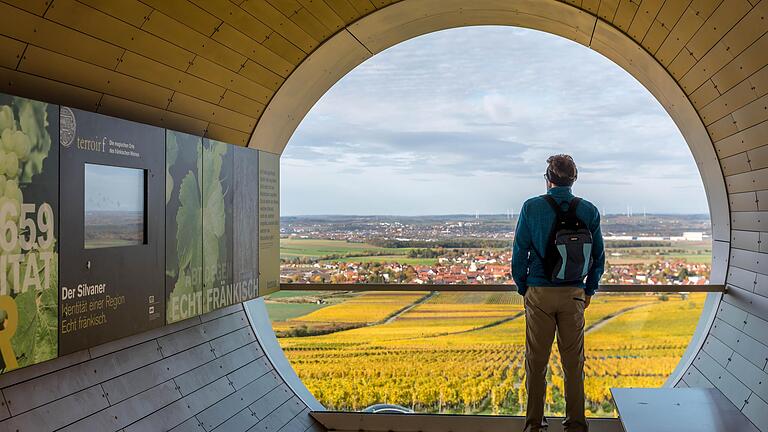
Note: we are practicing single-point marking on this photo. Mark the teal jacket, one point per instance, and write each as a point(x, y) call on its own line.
point(532, 233)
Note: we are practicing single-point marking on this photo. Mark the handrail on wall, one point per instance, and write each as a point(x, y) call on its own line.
point(362, 287)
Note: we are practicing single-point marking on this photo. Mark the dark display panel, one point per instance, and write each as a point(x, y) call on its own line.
point(218, 195)
point(269, 223)
point(246, 241)
point(109, 292)
point(183, 226)
point(156, 226)
point(29, 177)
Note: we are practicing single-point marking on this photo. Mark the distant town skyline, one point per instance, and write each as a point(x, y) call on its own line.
point(462, 121)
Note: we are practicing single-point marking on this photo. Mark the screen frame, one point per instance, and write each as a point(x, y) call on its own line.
point(145, 205)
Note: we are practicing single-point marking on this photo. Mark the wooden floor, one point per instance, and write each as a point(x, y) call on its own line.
point(200, 375)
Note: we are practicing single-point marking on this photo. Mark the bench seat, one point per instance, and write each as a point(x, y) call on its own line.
point(678, 410)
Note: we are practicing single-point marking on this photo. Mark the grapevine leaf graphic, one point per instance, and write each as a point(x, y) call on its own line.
point(7, 119)
point(33, 119)
point(172, 151)
point(182, 287)
point(36, 338)
point(189, 222)
point(200, 220)
point(213, 211)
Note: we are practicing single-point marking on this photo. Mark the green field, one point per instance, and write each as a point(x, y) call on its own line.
point(286, 311)
point(318, 248)
point(291, 293)
point(700, 252)
point(400, 259)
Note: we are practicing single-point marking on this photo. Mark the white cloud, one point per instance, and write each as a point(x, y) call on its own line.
point(462, 120)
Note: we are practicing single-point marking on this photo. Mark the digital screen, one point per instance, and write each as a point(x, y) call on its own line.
point(114, 206)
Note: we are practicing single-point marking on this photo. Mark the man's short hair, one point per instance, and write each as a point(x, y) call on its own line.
point(561, 170)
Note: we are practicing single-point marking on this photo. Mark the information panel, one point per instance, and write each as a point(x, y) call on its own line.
point(109, 228)
point(29, 176)
point(183, 226)
point(112, 237)
point(246, 242)
point(269, 223)
point(218, 194)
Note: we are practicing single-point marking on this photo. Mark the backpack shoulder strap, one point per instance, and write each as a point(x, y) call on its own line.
point(552, 203)
point(573, 205)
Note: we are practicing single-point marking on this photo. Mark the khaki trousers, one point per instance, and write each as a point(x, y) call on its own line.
point(550, 310)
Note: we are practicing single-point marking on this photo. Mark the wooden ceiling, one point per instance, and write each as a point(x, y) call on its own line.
point(209, 67)
point(206, 67)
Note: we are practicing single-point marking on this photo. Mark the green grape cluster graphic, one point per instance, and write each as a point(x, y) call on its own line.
point(27, 239)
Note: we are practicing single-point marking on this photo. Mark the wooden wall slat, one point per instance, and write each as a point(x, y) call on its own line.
point(15, 82)
point(625, 13)
point(236, 17)
point(10, 52)
point(200, 109)
point(690, 22)
point(607, 9)
point(120, 415)
point(36, 7)
point(590, 5)
point(363, 7)
point(745, 64)
point(756, 410)
point(237, 102)
point(284, 48)
point(261, 75)
point(644, 17)
point(665, 21)
point(682, 63)
point(722, 128)
point(705, 94)
point(742, 35)
point(736, 164)
point(343, 9)
point(187, 13)
point(150, 70)
point(38, 31)
point(286, 7)
point(167, 28)
point(323, 13)
point(735, 98)
point(255, 51)
point(310, 24)
point(751, 114)
point(44, 63)
point(228, 135)
point(758, 158)
point(754, 137)
point(746, 201)
point(225, 78)
point(727, 14)
point(90, 21)
point(278, 22)
point(135, 111)
point(131, 11)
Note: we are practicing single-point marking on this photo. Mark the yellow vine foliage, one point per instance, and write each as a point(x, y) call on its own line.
point(454, 355)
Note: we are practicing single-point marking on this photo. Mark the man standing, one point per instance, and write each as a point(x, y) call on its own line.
point(558, 244)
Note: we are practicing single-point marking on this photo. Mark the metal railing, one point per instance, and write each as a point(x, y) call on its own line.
point(490, 287)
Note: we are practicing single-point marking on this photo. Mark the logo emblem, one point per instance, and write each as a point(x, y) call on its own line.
point(68, 127)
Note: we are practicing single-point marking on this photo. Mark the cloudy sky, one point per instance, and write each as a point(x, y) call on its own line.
point(462, 121)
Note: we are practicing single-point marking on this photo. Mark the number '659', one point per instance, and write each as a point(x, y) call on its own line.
point(25, 234)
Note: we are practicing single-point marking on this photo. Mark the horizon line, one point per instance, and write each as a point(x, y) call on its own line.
point(479, 214)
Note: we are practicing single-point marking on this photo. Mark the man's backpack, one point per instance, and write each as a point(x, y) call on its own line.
point(568, 256)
